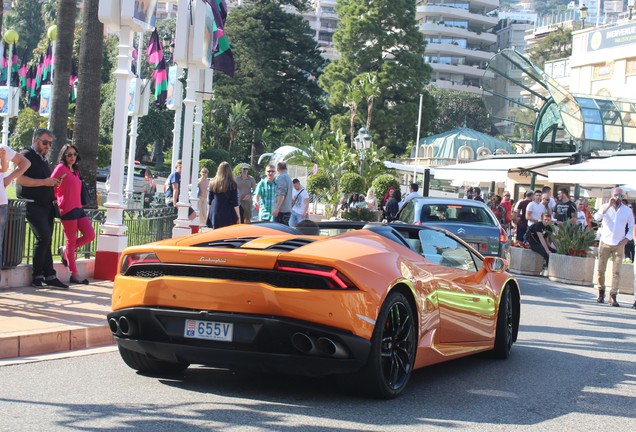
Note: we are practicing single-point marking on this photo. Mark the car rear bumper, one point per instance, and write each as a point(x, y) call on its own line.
point(266, 343)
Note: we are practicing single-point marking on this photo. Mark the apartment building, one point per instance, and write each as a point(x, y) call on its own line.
point(459, 40)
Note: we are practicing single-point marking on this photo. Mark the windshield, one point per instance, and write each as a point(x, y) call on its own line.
point(456, 213)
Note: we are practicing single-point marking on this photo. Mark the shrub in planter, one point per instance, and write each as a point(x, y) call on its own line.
point(571, 240)
point(362, 214)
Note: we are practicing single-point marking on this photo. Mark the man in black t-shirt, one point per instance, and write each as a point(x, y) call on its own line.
point(37, 185)
point(538, 237)
point(564, 209)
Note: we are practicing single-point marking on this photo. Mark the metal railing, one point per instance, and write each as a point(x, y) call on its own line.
point(144, 226)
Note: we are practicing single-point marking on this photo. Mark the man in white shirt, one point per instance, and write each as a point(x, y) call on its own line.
point(535, 209)
point(616, 230)
point(300, 203)
point(413, 188)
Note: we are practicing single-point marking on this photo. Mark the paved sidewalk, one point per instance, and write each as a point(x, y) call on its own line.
point(44, 321)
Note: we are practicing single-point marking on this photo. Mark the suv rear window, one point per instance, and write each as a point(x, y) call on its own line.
point(455, 213)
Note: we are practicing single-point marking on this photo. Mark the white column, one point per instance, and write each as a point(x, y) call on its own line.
point(196, 150)
point(176, 130)
point(182, 223)
point(132, 148)
point(114, 203)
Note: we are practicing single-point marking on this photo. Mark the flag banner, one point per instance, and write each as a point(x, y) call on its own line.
point(47, 65)
point(154, 51)
point(161, 84)
point(223, 59)
point(22, 73)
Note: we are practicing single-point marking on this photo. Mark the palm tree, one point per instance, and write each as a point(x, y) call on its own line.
point(370, 89)
point(235, 119)
point(86, 135)
point(66, 11)
point(352, 100)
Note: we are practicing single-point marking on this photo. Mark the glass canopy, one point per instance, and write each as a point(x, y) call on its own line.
point(548, 115)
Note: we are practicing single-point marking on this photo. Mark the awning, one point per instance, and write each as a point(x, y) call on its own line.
point(409, 168)
point(498, 169)
point(607, 171)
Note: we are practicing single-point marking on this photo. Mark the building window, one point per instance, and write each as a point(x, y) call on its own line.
point(483, 151)
point(602, 71)
point(630, 66)
point(465, 153)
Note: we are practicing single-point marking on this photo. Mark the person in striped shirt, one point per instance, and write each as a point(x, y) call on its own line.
point(266, 195)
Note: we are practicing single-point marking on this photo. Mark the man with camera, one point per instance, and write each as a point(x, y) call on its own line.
point(615, 217)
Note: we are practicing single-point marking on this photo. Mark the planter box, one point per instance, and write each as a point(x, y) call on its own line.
point(571, 270)
point(626, 282)
point(525, 262)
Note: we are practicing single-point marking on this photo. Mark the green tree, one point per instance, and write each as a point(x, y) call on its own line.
point(66, 11)
point(26, 19)
point(380, 37)
point(237, 117)
point(555, 45)
point(86, 128)
point(22, 135)
point(278, 63)
point(454, 109)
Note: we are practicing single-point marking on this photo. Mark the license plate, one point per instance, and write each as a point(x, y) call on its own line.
point(210, 330)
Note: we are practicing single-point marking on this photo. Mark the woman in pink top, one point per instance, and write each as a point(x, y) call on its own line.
point(69, 199)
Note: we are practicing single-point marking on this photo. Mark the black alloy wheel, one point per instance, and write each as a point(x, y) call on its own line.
point(393, 348)
point(505, 326)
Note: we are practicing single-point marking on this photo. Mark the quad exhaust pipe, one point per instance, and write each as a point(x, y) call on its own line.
point(321, 346)
point(122, 326)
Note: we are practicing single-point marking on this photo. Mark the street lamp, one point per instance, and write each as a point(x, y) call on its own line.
point(362, 142)
point(10, 38)
point(583, 12)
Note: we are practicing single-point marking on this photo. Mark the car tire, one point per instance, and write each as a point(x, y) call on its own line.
point(393, 348)
point(143, 364)
point(504, 336)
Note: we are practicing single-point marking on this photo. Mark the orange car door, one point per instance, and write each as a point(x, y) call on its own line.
point(466, 307)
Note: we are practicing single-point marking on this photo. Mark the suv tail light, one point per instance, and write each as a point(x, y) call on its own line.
point(335, 278)
point(502, 235)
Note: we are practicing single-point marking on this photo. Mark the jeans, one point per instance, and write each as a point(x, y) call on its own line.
point(4, 214)
point(40, 219)
point(294, 219)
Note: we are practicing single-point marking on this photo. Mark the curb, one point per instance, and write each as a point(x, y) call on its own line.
point(55, 341)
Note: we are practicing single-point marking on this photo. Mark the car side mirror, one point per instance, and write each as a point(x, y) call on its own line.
point(495, 264)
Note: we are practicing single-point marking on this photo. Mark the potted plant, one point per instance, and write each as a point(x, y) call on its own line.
point(571, 263)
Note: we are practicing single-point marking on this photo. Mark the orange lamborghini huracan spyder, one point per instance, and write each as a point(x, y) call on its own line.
point(367, 302)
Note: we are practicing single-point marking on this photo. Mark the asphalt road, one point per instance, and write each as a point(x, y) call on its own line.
point(573, 369)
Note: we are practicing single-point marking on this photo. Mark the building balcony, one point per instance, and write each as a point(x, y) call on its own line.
point(445, 49)
point(448, 12)
point(466, 71)
point(472, 37)
point(456, 86)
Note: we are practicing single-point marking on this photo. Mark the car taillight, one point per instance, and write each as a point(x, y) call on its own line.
point(334, 278)
point(502, 235)
point(137, 258)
